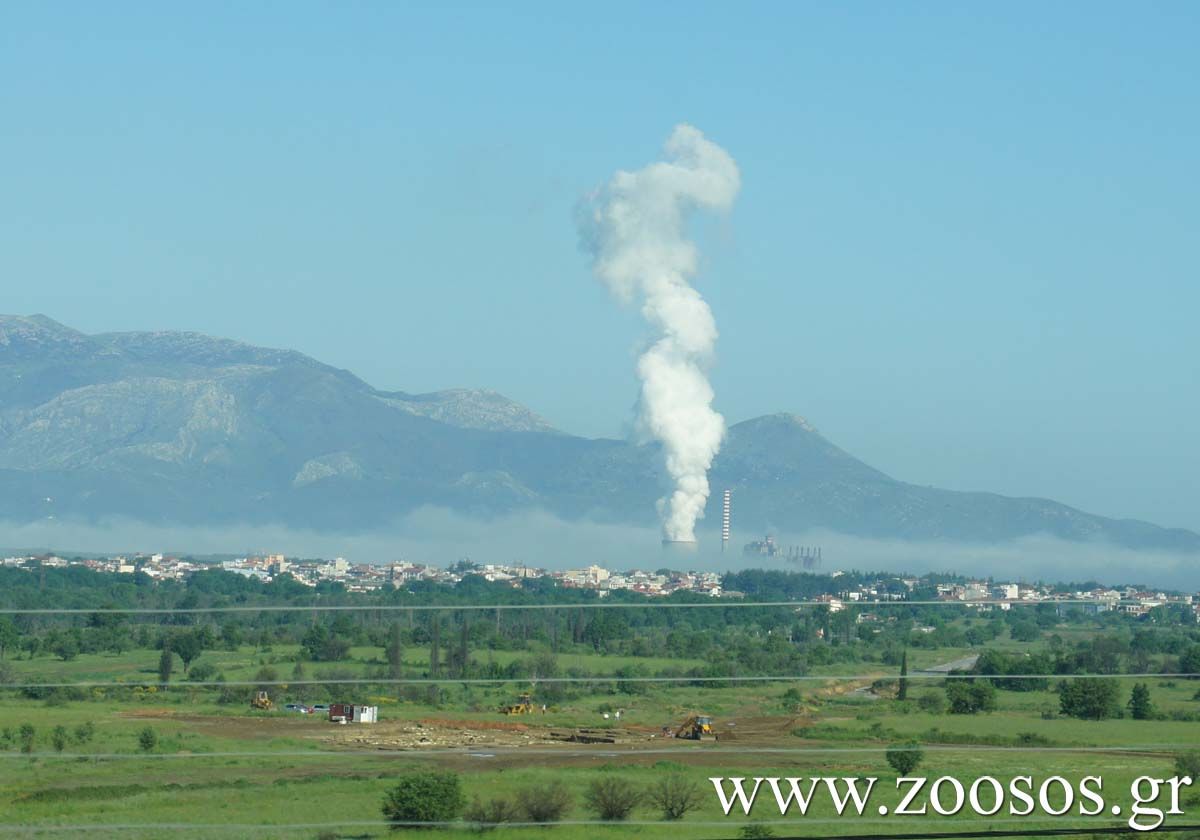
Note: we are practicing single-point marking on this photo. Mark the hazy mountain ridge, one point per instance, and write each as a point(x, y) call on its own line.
point(469, 408)
point(182, 428)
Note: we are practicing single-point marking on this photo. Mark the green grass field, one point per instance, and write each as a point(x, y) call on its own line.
point(222, 770)
point(291, 778)
point(242, 664)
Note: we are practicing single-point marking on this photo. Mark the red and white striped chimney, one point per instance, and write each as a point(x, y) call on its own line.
point(725, 520)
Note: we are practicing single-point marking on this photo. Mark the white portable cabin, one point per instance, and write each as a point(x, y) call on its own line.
point(353, 713)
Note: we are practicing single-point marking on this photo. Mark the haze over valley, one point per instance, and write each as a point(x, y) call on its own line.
point(168, 433)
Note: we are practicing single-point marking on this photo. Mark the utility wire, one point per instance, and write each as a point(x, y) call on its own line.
point(523, 824)
point(602, 751)
point(1035, 832)
point(599, 678)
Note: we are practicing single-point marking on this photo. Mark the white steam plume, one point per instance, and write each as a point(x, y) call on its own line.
point(636, 230)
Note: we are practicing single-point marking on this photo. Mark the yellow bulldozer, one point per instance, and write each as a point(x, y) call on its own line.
point(696, 728)
point(523, 706)
point(262, 702)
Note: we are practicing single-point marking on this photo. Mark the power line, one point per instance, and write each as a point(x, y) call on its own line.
point(1036, 832)
point(715, 603)
point(601, 751)
point(525, 824)
point(599, 678)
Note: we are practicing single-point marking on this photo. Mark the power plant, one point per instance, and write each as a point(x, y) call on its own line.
point(808, 557)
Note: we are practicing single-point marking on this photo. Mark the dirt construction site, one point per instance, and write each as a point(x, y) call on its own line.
point(435, 733)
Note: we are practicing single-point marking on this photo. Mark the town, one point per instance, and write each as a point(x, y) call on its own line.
point(371, 577)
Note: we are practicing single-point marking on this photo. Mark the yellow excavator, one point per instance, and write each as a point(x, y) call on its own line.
point(523, 706)
point(696, 728)
point(262, 702)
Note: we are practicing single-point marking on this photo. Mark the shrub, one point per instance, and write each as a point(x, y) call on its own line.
point(1141, 707)
point(968, 698)
point(1025, 631)
point(28, 734)
point(487, 815)
point(631, 676)
point(84, 732)
point(612, 798)
point(202, 672)
point(423, 797)
point(904, 758)
point(544, 803)
point(1032, 739)
point(147, 739)
point(265, 676)
point(66, 648)
point(1188, 764)
point(932, 703)
point(58, 738)
point(1089, 698)
point(1189, 663)
point(675, 795)
point(166, 664)
point(227, 695)
point(756, 831)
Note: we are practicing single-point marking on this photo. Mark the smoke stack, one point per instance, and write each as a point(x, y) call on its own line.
point(725, 520)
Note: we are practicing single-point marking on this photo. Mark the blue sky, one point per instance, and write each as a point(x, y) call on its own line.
point(964, 248)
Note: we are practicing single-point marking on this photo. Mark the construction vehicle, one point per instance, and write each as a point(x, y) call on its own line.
point(262, 702)
point(523, 706)
point(696, 728)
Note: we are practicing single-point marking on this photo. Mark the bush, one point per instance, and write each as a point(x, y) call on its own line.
point(1188, 764)
point(58, 738)
point(423, 797)
point(487, 815)
point(28, 734)
point(1089, 698)
point(932, 703)
point(904, 758)
point(202, 672)
point(791, 699)
point(756, 831)
point(147, 739)
point(968, 698)
point(1189, 663)
point(1025, 631)
point(265, 677)
point(544, 803)
point(84, 732)
point(1141, 707)
point(674, 795)
point(612, 798)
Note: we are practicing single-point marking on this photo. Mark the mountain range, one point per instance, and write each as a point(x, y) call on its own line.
point(183, 428)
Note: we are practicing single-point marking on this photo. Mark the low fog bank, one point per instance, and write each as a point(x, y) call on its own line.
point(440, 537)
